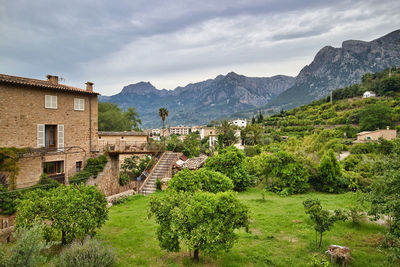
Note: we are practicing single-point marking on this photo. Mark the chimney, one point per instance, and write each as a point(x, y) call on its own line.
point(52, 79)
point(89, 86)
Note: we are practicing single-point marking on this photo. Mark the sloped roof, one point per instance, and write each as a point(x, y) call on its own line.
point(42, 84)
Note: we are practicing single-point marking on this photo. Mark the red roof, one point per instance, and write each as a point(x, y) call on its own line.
point(42, 84)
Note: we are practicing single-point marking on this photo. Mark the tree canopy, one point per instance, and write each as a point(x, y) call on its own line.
point(112, 118)
point(69, 211)
point(230, 161)
point(200, 180)
point(201, 221)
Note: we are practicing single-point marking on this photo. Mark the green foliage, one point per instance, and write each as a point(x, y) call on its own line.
point(227, 133)
point(112, 118)
point(158, 184)
point(323, 220)
point(89, 253)
point(286, 174)
point(9, 157)
point(134, 166)
point(27, 250)
point(200, 180)
point(385, 194)
point(202, 221)
point(93, 167)
point(319, 262)
point(163, 113)
point(230, 161)
point(124, 178)
point(46, 182)
point(174, 144)
point(70, 211)
point(375, 116)
point(330, 174)
point(191, 145)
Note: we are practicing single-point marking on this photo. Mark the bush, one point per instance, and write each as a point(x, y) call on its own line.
point(230, 161)
point(93, 167)
point(158, 184)
point(286, 174)
point(27, 249)
point(87, 254)
point(200, 180)
point(330, 174)
point(124, 178)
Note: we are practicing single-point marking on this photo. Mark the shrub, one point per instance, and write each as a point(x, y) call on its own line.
point(27, 249)
point(93, 167)
point(286, 174)
point(124, 178)
point(200, 180)
point(158, 184)
point(230, 161)
point(87, 254)
point(330, 174)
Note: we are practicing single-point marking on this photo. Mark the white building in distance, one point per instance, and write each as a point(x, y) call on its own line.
point(369, 94)
point(239, 123)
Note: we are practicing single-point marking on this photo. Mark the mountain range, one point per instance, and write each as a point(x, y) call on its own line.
point(235, 94)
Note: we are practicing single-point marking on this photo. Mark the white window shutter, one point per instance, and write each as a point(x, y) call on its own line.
point(60, 138)
point(40, 135)
point(54, 101)
point(47, 101)
point(82, 104)
point(76, 103)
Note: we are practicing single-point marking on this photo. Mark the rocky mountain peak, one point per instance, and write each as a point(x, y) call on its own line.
point(140, 88)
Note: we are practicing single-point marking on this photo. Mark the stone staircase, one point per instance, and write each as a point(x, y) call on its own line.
point(161, 170)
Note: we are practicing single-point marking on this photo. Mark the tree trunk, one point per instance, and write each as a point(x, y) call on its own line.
point(320, 240)
point(316, 238)
point(63, 239)
point(196, 255)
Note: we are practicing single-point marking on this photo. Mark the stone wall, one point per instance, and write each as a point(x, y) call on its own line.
point(108, 180)
point(6, 228)
point(23, 108)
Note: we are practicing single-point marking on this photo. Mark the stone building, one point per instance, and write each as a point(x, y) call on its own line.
point(123, 141)
point(207, 131)
point(366, 136)
point(55, 123)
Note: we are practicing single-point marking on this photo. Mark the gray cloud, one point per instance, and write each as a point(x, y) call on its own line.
point(170, 43)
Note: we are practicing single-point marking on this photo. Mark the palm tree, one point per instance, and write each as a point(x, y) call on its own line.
point(163, 113)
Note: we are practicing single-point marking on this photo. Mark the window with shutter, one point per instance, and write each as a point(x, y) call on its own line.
point(50, 101)
point(40, 135)
point(79, 104)
point(60, 138)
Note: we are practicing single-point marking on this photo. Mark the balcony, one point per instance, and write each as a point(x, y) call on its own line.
point(129, 147)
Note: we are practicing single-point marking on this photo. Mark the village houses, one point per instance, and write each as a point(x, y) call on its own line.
point(366, 136)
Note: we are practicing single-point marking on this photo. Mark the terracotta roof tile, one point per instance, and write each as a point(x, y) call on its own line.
point(42, 84)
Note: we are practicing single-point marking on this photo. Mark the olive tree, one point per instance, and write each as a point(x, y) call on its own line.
point(68, 212)
point(202, 221)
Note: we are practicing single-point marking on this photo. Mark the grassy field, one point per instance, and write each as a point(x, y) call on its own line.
point(281, 235)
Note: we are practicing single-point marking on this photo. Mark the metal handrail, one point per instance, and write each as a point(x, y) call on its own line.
point(151, 172)
point(128, 146)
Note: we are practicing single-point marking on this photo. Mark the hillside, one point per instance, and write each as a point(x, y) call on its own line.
point(339, 67)
point(198, 103)
point(345, 109)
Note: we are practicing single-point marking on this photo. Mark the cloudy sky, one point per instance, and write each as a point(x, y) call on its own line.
point(174, 42)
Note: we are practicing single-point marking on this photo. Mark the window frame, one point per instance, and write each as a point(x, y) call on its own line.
point(79, 104)
point(51, 102)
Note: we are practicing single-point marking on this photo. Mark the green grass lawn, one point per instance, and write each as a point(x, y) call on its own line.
point(281, 234)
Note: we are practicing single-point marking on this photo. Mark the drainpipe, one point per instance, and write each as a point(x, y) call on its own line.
point(90, 123)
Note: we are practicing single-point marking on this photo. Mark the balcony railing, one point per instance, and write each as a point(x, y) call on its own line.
point(129, 146)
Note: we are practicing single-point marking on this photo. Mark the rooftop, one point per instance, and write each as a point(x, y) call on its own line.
point(47, 84)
